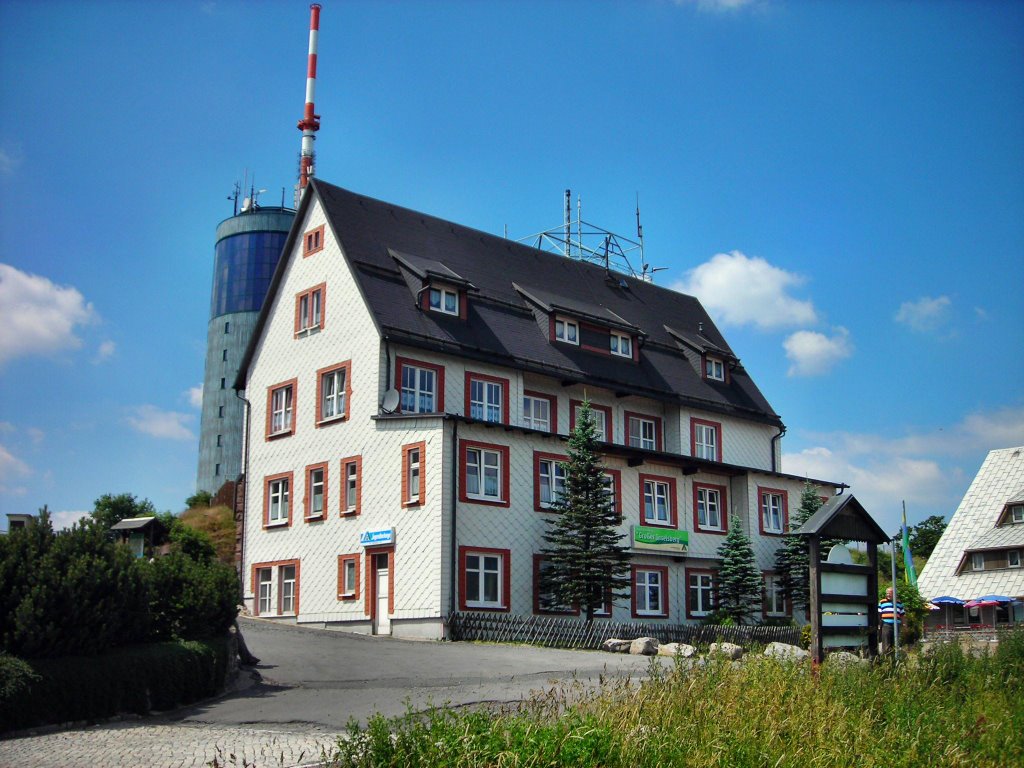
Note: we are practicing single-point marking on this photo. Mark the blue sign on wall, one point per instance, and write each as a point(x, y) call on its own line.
point(374, 538)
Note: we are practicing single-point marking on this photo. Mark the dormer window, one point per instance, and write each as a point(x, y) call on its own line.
point(1017, 514)
point(567, 330)
point(444, 300)
point(714, 368)
point(621, 345)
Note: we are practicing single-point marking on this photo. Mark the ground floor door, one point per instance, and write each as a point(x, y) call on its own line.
point(381, 597)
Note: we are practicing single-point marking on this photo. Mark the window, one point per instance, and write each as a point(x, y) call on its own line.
point(421, 385)
point(548, 479)
point(484, 473)
point(486, 398)
point(774, 597)
point(443, 300)
point(602, 419)
point(265, 579)
point(227, 326)
point(276, 588)
point(650, 590)
point(714, 368)
point(709, 510)
point(977, 561)
point(706, 439)
point(567, 330)
point(621, 345)
point(613, 482)
point(539, 411)
point(351, 488)
point(224, 355)
point(332, 392)
point(223, 383)
point(280, 409)
point(220, 411)
point(216, 469)
point(1017, 513)
point(774, 511)
point(309, 311)
point(1013, 558)
point(543, 600)
point(643, 431)
point(316, 491)
point(287, 597)
point(484, 577)
point(413, 492)
point(700, 593)
point(348, 577)
point(657, 500)
point(313, 241)
point(220, 440)
point(277, 500)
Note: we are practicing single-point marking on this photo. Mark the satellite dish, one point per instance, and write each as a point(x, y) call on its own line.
point(391, 399)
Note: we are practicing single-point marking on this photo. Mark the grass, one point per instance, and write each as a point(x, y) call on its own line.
point(946, 709)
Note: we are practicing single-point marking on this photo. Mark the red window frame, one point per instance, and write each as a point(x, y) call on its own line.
point(307, 498)
point(716, 425)
point(322, 288)
point(503, 450)
point(342, 509)
point(313, 241)
point(609, 426)
point(552, 408)
point(714, 590)
point(538, 457)
point(421, 497)
point(663, 570)
point(347, 367)
point(506, 578)
point(538, 609)
point(763, 491)
point(401, 362)
point(628, 415)
point(274, 565)
point(473, 375)
point(267, 480)
point(294, 384)
point(673, 506)
point(704, 368)
point(617, 494)
point(370, 593)
point(723, 503)
point(342, 559)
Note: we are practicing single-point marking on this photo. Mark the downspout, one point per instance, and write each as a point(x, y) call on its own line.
point(782, 431)
point(245, 495)
point(452, 603)
point(387, 364)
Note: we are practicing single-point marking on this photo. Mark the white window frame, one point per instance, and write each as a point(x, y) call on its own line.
point(1017, 514)
point(621, 344)
point(414, 474)
point(265, 591)
point(333, 394)
point(317, 488)
point(705, 506)
point(477, 459)
point(348, 577)
point(480, 574)
point(287, 584)
point(646, 583)
point(600, 422)
point(566, 330)
point(282, 410)
point(771, 511)
point(646, 436)
point(531, 420)
point(704, 588)
point(311, 307)
point(775, 597)
point(351, 486)
point(977, 561)
point(1013, 558)
point(714, 368)
point(609, 483)
point(550, 477)
point(481, 406)
point(414, 378)
point(705, 440)
point(278, 503)
point(656, 491)
point(442, 296)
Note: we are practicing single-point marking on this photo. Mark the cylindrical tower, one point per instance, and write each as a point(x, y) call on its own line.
point(247, 250)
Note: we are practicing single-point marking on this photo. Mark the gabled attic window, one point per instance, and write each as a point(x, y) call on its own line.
point(621, 344)
point(443, 299)
point(438, 288)
point(567, 330)
point(714, 368)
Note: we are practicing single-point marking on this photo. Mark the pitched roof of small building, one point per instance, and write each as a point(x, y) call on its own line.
point(381, 241)
point(973, 528)
point(132, 524)
point(844, 517)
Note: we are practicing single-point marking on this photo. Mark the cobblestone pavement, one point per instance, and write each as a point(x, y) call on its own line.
point(143, 744)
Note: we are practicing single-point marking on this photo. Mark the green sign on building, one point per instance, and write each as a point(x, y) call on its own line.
point(659, 539)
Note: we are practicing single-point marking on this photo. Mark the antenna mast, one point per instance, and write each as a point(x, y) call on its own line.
point(310, 122)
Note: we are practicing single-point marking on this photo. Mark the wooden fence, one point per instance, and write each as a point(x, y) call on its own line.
point(555, 632)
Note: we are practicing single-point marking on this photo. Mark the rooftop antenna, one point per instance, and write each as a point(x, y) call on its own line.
point(568, 220)
point(310, 122)
point(234, 196)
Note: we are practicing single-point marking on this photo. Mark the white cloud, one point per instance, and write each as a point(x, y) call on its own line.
point(981, 314)
point(813, 354)
point(195, 396)
point(719, 6)
point(39, 316)
point(66, 519)
point(36, 435)
point(740, 290)
point(925, 314)
point(12, 470)
point(6, 427)
point(169, 425)
point(105, 351)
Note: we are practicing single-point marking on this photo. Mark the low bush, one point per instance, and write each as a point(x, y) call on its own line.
point(191, 598)
point(133, 679)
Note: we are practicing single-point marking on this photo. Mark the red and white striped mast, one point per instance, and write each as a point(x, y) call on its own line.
point(310, 122)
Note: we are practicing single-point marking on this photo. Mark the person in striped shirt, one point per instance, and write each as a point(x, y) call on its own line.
point(890, 614)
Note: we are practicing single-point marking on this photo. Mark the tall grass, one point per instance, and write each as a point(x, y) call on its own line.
point(945, 709)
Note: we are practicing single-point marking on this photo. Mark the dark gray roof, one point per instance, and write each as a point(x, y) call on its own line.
point(843, 517)
point(132, 524)
point(501, 326)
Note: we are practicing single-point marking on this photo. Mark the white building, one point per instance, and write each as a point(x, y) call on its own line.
point(410, 382)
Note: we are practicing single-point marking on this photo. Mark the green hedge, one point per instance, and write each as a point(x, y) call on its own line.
point(132, 679)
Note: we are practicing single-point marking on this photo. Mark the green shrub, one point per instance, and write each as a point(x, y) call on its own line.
point(190, 598)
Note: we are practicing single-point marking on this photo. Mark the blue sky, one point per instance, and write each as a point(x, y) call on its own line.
point(842, 184)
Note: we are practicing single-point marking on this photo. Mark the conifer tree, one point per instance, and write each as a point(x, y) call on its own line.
point(739, 580)
point(792, 560)
point(586, 562)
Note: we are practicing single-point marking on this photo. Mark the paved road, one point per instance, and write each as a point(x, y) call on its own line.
point(313, 682)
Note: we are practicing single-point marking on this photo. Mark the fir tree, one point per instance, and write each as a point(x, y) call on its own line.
point(586, 563)
point(739, 580)
point(791, 561)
